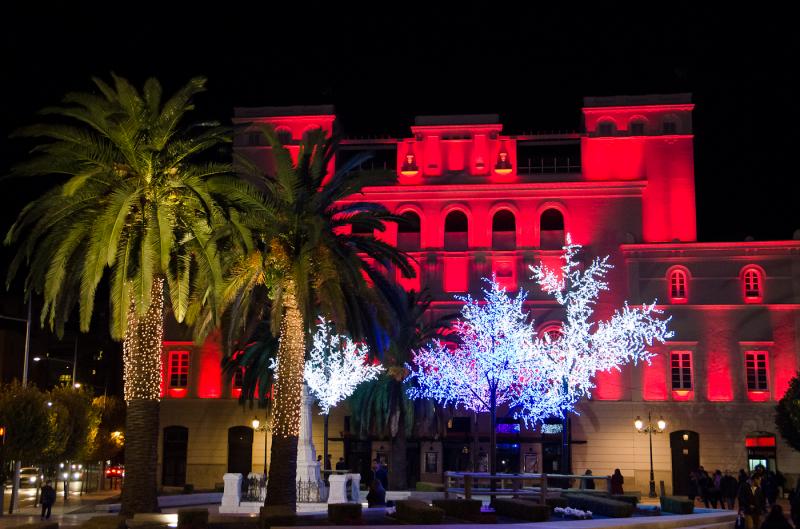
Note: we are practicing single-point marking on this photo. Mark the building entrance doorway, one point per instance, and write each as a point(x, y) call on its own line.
point(761, 451)
point(176, 441)
point(508, 458)
point(240, 451)
point(685, 448)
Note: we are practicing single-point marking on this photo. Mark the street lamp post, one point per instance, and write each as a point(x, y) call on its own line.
point(258, 427)
point(650, 429)
point(53, 359)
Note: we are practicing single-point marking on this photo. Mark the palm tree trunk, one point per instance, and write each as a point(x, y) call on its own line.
point(142, 360)
point(281, 487)
point(397, 472)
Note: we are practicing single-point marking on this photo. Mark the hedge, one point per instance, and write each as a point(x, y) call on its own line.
point(458, 508)
point(418, 512)
point(192, 518)
point(522, 509)
point(676, 505)
point(344, 513)
point(600, 505)
point(628, 498)
point(425, 486)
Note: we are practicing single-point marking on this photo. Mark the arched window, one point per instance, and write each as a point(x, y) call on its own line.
point(753, 285)
point(678, 286)
point(636, 127)
point(551, 229)
point(240, 450)
point(504, 230)
point(175, 445)
point(455, 231)
point(284, 135)
point(553, 331)
point(669, 126)
point(408, 232)
point(606, 128)
point(310, 130)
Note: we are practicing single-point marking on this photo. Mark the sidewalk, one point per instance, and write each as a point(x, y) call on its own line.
point(77, 509)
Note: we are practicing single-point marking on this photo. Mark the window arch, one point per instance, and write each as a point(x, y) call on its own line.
point(669, 124)
point(678, 284)
point(637, 126)
point(310, 130)
point(551, 229)
point(554, 330)
point(409, 232)
point(752, 284)
point(504, 230)
point(456, 229)
point(284, 135)
point(606, 127)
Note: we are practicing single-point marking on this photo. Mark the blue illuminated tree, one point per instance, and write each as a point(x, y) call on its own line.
point(500, 360)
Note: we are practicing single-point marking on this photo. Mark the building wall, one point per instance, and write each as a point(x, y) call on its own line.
point(633, 199)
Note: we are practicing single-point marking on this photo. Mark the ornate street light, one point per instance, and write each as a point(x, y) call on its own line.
point(650, 429)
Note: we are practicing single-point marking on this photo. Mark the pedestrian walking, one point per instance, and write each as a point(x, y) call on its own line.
point(794, 504)
point(729, 488)
point(751, 501)
point(48, 495)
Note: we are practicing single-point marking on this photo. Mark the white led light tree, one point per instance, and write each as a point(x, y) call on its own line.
point(585, 347)
point(500, 360)
point(492, 364)
point(335, 367)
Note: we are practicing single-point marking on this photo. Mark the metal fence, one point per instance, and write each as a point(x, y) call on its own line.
point(254, 489)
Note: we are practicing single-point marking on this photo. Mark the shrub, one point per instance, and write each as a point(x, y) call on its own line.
point(418, 512)
point(344, 513)
point(556, 502)
point(676, 505)
point(425, 486)
point(628, 498)
point(522, 509)
point(111, 521)
point(600, 505)
point(457, 508)
point(192, 518)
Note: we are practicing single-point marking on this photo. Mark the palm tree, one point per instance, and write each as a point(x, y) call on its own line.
point(134, 208)
point(303, 253)
point(381, 407)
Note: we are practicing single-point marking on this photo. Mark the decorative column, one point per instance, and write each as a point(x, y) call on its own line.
point(307, 465)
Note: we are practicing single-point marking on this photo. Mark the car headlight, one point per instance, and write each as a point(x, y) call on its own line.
point(76, 475)
point(33, 479)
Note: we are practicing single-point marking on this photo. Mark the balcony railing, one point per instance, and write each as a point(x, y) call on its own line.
point(546, 165)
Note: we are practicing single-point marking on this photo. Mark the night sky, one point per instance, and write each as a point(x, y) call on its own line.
point(381, 68)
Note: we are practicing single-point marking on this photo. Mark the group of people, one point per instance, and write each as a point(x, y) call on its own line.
point(756, 493)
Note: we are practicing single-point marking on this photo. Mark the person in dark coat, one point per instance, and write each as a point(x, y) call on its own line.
point(704, 486)
point(769, 484)
point(616, 482)
point(376, 497)
point(751, 501)
point(775, 519)
point(382, 474)
point(694, 489)
point(794, 504)
point(587, 483)
point(48, 499)
point(715, 490)
point(341, 465)
point(729, 488)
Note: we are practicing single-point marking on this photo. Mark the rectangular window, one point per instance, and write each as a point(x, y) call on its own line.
point(178, 369)
point(681, 370)
point(756, 366)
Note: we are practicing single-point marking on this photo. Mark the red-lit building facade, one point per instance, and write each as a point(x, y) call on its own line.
point(484, 202)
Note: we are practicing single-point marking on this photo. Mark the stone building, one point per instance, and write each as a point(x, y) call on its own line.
point(488, 202)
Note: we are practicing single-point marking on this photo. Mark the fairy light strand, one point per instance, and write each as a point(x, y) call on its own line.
point(141, 350)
